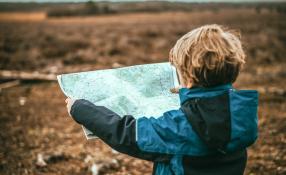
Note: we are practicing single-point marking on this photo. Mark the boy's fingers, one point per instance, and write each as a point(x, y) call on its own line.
point(175, 90)
point(67, 100)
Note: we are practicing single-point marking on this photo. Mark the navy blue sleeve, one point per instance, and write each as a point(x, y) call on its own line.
point(118, 132)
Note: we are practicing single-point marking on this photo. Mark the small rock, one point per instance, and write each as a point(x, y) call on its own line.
point(40, 161)
point(114, 151)
point(22, 101)
point(88, 159)
point(94, 169)
point(103, 167)
point(117, 65)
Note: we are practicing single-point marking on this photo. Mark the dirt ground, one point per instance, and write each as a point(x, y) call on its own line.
point(33, 118)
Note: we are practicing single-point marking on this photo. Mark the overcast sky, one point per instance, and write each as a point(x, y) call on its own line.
point(144, 0)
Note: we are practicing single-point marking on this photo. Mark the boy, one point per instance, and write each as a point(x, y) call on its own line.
point(209, 134)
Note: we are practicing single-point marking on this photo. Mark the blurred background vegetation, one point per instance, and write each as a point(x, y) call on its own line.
point(56, 38)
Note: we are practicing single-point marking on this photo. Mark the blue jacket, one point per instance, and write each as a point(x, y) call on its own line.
point(207, 135)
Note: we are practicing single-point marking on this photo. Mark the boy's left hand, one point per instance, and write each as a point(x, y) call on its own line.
point(69, 103)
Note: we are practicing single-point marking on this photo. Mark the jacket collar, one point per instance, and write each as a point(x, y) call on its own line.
point(199, 92)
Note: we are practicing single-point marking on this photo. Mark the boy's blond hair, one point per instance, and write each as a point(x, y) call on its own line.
point(208, 56)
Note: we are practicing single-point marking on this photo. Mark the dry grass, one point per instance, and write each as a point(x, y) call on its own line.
point(41, 125)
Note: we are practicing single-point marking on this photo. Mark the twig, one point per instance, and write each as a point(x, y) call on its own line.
point(9, 84)
point(20, 75)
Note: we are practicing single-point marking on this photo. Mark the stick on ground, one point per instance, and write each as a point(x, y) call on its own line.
point(20, 75)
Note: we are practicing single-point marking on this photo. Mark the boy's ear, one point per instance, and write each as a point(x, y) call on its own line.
point(190, 85)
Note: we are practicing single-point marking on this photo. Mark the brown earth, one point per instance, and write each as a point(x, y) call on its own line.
point(33, 117)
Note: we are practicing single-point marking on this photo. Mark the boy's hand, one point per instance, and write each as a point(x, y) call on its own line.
point(69, 103)
point(175, 90)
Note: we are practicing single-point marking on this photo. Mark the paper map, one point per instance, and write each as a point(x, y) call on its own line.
point(142, 90)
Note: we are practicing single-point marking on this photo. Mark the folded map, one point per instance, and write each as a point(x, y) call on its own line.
point(141, 90)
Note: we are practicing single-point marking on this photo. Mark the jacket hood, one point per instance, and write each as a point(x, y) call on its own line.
point(224, 118)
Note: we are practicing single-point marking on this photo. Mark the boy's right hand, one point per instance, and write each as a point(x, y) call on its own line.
point(69, 103)
point(175, 90)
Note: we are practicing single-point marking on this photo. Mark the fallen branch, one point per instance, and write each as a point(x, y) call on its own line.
point(20, 75)
point(9, 84)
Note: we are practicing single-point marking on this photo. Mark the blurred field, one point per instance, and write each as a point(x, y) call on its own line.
point(33, 116)
point(22, 16)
